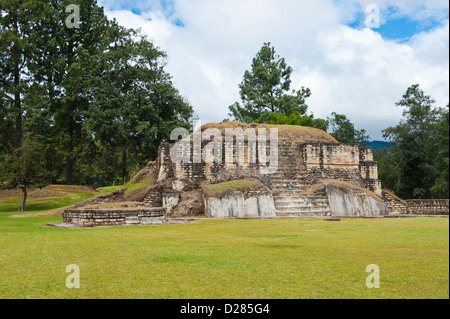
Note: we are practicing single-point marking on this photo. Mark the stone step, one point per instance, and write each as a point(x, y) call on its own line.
point(310, 207)
point(291, 182)
point(277, 193)
point(301, 184)
point(153, 199)
point(287, 178)
point(302, 196)
point(293, 170)
point(283, 191)
point(299, 201)
point(291, 178)
point(301, 209)
point(301, 213)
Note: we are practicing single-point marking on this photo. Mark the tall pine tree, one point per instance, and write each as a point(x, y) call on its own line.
point(265, 90)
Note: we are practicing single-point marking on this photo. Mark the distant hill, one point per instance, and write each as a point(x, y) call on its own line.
point(376, 145)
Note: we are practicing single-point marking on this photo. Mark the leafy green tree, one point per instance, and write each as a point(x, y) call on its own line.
point(265, 90)
point(296, 119)
point(440, 188)
point(135, 106)
point(75, 82)
point(64, 70)
point(344, 130)
point(415, 139)
point(388, 168)
point(6, 126)
point(18, 31)
point(24, 166)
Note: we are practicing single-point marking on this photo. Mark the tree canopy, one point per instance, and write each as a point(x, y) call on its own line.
point(97, 96)
point(266, 89)
point(420, 149)
point(344, 130)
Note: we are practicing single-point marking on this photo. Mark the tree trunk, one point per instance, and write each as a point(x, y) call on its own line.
point(24, 201)
point(17, 102)
point(69, 170)
point(70, 121)
point(124, 166)
point(18, 108)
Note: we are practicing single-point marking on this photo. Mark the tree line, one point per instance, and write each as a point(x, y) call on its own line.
point(80, 105)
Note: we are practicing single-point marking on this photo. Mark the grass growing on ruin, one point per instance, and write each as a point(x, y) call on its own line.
point(305, 258)
point(133, 186)
point(227, 188)
point(296, 133)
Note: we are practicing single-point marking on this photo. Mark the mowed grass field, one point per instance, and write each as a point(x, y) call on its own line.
point(280, 259)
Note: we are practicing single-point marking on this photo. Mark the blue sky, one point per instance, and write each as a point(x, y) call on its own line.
point(397, 26)
point(351, 69)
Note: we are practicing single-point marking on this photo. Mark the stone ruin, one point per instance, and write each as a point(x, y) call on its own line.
point(311, 175)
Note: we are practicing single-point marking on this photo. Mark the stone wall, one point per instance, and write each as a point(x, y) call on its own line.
point(395, 204)
point(348, 200)
point(236, 205)
point(415, 207)
point(164, 163)
point(331, 156)
point(114, 217)
point(428, 207)
point(170, 201)
point(344, 162)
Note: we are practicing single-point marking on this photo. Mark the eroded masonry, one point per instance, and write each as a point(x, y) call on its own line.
point(308, 174)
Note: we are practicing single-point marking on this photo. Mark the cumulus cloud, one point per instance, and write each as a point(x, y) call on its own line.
point(356, 72)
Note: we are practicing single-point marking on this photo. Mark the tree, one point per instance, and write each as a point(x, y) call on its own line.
point(296, 119)
point(344, 130)
point(264, 90)
point(135, 106)
point(415, 139)
point(388, 168)
point(24, 166)
point(18, 31)
point(64, 70)
point(440, 188)
point(97, 96)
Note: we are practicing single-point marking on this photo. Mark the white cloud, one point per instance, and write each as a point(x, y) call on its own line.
point(355, 72)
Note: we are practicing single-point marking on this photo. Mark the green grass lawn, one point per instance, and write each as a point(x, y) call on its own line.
point(306, 258)
point(44, 205)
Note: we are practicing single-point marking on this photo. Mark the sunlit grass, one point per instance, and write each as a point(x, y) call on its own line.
point(227, 259)
point(47, 204)
point(306, 258)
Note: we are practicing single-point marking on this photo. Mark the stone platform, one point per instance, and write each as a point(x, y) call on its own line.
point(114, 217)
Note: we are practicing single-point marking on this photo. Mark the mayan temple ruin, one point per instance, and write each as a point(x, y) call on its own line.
point(297, 172)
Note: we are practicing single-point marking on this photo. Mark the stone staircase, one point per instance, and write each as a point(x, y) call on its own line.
point(290, 184)
point(395, 204)
point(153, 199)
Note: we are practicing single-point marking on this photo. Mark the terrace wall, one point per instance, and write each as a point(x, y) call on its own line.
point(114, 217)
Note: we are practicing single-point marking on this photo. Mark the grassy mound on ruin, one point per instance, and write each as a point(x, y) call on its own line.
point(243, 186)
point(293, 133)
point(351, 187)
